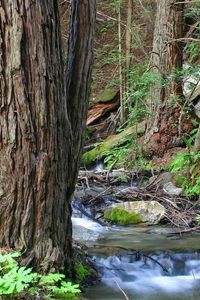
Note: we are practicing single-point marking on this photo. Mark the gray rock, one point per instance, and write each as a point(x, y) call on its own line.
point(162, 178)
point(170, 189)
point(150, 211)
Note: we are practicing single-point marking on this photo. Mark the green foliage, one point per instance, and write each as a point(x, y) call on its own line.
point(66, 290)
point(82, 271)
point(187, 167)
point(16, 280)
point(50, 278)
point(122, 178)
point(113, 58)
point(115, 5)
point(193, 47)
point(13, 278)
point(117, 156)
point(140, 82)
point(105, 27)
point(121, 216)
point(198, 219)
point(194, 10)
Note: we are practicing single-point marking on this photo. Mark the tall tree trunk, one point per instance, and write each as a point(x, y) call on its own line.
point(37, 177)
point(166, 57)
point(78, 76)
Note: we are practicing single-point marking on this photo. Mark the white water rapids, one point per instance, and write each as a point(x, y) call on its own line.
point(143, 278)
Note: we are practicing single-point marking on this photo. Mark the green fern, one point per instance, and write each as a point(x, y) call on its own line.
point(15, 280)
point(187, 167)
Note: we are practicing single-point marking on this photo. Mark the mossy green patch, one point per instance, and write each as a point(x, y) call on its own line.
point(82, 272)
point(121, 216)
point(106, 96)
point(110, 142)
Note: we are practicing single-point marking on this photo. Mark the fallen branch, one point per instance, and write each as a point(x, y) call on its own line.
point(197, 228)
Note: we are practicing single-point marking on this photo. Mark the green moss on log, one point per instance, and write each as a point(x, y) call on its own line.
point(122, 217)
point(110, 142)
point(106, 96)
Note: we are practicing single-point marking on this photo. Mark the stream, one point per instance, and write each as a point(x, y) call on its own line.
point(169, 268)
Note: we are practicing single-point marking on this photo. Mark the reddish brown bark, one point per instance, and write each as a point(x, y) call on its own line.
point(167, 60)
point(167, 48)
point(37, 143)
point(174, 47)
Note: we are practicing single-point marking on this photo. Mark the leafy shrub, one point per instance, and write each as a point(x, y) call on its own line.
point(16, 280)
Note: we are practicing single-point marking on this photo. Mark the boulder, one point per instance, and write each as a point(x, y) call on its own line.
point(167, 181)
point(170, 189)
point(162, 178)
point(149, 211)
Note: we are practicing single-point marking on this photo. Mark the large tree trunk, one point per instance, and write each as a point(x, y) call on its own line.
point(37, 175)
point(166, 56)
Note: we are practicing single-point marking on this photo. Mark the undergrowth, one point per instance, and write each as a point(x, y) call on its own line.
point(187, 167)
point(18, 282)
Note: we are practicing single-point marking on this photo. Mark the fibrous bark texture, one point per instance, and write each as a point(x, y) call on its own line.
point(78, 75)
point(34, 133)
point(37, 141)
point(167, 48)
point(167, 58)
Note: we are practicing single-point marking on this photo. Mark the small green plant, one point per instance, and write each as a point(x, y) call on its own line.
point(66, 290)
point(122, 178)
point(16, 280)
point(120, 216)
point(118, 155)
point(198, 219)
point(186, 166)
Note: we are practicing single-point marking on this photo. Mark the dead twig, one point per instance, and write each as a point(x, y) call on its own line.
point(197, 228)
point(126, 297)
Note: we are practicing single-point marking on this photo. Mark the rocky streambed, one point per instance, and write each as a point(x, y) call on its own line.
point(142, 261)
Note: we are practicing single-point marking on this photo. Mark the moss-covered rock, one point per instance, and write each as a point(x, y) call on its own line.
point(151, 212)
point(121, 216)
point(82, 272)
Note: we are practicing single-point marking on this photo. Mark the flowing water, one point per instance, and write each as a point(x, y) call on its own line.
point(168, 270)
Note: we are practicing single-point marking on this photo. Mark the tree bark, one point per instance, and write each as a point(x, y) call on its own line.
point(36, 138)
point(167, 49)
point(167, 55)
point(79, 76)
